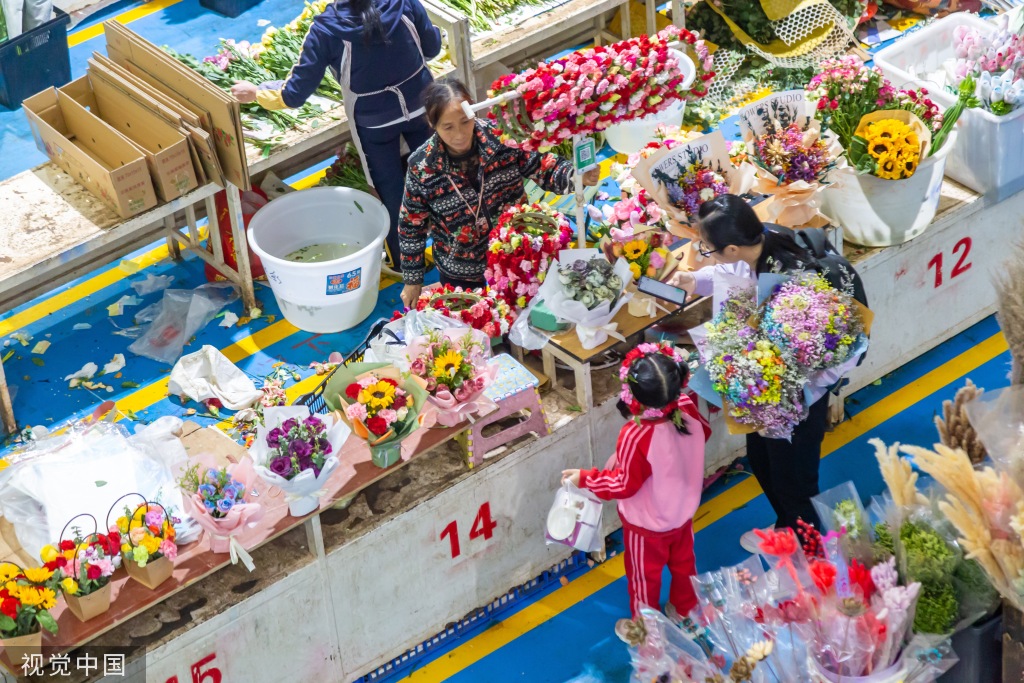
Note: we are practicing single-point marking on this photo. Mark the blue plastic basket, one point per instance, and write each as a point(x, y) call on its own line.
point(35, 61)
point(229, 8)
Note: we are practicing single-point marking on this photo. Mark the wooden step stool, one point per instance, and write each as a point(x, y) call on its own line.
point(513, 390)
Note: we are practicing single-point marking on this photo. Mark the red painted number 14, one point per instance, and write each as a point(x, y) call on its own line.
point(200, 674)
point(963, 248)
point(483, 526)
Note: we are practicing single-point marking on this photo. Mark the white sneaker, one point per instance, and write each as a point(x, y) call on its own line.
point(750, 540)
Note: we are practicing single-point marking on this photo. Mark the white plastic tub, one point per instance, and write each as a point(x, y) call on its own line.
point(875, 212)
point(988, 158)
point(630, 137)
point(331, 296)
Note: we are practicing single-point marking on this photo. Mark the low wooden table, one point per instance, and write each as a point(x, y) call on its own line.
point(567, 348)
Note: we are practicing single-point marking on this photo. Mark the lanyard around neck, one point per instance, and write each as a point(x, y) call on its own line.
point(480, 201)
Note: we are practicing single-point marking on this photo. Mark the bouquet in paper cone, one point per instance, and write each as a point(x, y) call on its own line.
point(760, 385)
point(454, 366)
point(379, 404)
point(822, 327)
point(298, 452)
point(219, 500)
point(84, 566)
point(147, 542)
point(645, 250)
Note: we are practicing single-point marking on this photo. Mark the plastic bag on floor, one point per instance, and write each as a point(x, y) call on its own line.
point(183, 312)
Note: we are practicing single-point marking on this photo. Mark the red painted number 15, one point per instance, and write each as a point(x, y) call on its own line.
point(201, 673)
point(961, 248)
point(483, 526)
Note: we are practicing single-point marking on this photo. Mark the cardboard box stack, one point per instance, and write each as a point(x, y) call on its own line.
point(140, 127)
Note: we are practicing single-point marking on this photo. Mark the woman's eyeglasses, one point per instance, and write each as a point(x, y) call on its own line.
point(703, 250)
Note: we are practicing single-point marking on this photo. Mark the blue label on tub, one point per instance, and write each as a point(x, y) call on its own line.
point(345, 282)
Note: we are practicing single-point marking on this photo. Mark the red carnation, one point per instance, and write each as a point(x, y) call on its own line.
point(67, 545)
point(377, 425)
point(61, 562)
point(9, 608)
point(860, 576)
point(93, 572)
point(389, 381)
point(824, 575)
point(352, 391)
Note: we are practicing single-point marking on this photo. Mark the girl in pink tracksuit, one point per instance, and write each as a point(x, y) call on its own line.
point(657, 475)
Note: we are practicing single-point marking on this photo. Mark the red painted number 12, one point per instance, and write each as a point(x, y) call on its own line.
point(483, 526)
point(963, 248)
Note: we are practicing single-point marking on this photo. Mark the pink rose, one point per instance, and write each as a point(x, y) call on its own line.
point(442, 387)
point(169, 550)
point(418, 367)
point(356, 412)
point(463, 392)
point(431, 384)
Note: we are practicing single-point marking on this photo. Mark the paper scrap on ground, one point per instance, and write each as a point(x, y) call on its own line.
point(41, 347)
point(152, 283)
point(130, 267)
point(22, 337)
point(82, 326)
point(208, 373)
point(229, 319)
point(114, 365)
point(87, 372)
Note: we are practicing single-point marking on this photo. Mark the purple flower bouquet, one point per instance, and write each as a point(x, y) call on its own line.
point(297, 452)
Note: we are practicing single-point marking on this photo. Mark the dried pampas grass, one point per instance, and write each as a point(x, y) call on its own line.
point(899, 476)
point(955, 429)
point(1010, 290)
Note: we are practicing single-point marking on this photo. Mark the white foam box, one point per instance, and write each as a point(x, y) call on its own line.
point(988, 153)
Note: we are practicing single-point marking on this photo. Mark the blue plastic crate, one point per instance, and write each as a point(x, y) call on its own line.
point(229, 8)
point(35, 61)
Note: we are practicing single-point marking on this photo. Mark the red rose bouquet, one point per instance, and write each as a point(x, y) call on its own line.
point(589, 90)
point(479, 308)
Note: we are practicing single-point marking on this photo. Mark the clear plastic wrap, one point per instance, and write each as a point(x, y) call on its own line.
point(842, 512)
point(390, 346)
point(84, 471)
point(998, 417)
point(183, 313)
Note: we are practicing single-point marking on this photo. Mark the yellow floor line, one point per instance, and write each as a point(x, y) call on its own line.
point(715, 509)
point(79, 37)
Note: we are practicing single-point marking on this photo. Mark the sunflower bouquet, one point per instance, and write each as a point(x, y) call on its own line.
point(645, 250)
point(890, 145)
point(379, 404)
point(453, 364)
point(26, 598)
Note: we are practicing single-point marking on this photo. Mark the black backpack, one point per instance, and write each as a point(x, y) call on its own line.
point(836, 269)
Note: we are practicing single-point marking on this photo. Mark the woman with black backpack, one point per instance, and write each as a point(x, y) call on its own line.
point(744, 246)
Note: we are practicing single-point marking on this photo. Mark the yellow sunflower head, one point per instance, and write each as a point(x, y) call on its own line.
point(379, 395)
point(634, 268)
point(447, 364)
point(879, 146)
point(38, 574)
point(31, 596)
point(634, 249)
point(890, 167)
point(8, 571)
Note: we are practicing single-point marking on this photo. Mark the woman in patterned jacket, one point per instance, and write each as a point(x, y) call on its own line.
point(458, 184)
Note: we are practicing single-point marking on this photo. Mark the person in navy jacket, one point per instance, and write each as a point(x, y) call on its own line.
point(378, 50)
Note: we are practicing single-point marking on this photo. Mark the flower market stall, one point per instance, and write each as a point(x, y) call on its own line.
point(387, 464)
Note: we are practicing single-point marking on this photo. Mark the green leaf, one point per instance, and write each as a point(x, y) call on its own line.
point(38, 361)
point(358, 206)
point(47, 621)
point(100, 483)
point(6, 623)
point(7, 356)
point(859, 156)
point(129, 385)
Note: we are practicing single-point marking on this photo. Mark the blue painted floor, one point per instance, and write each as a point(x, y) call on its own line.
point(573, 643)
